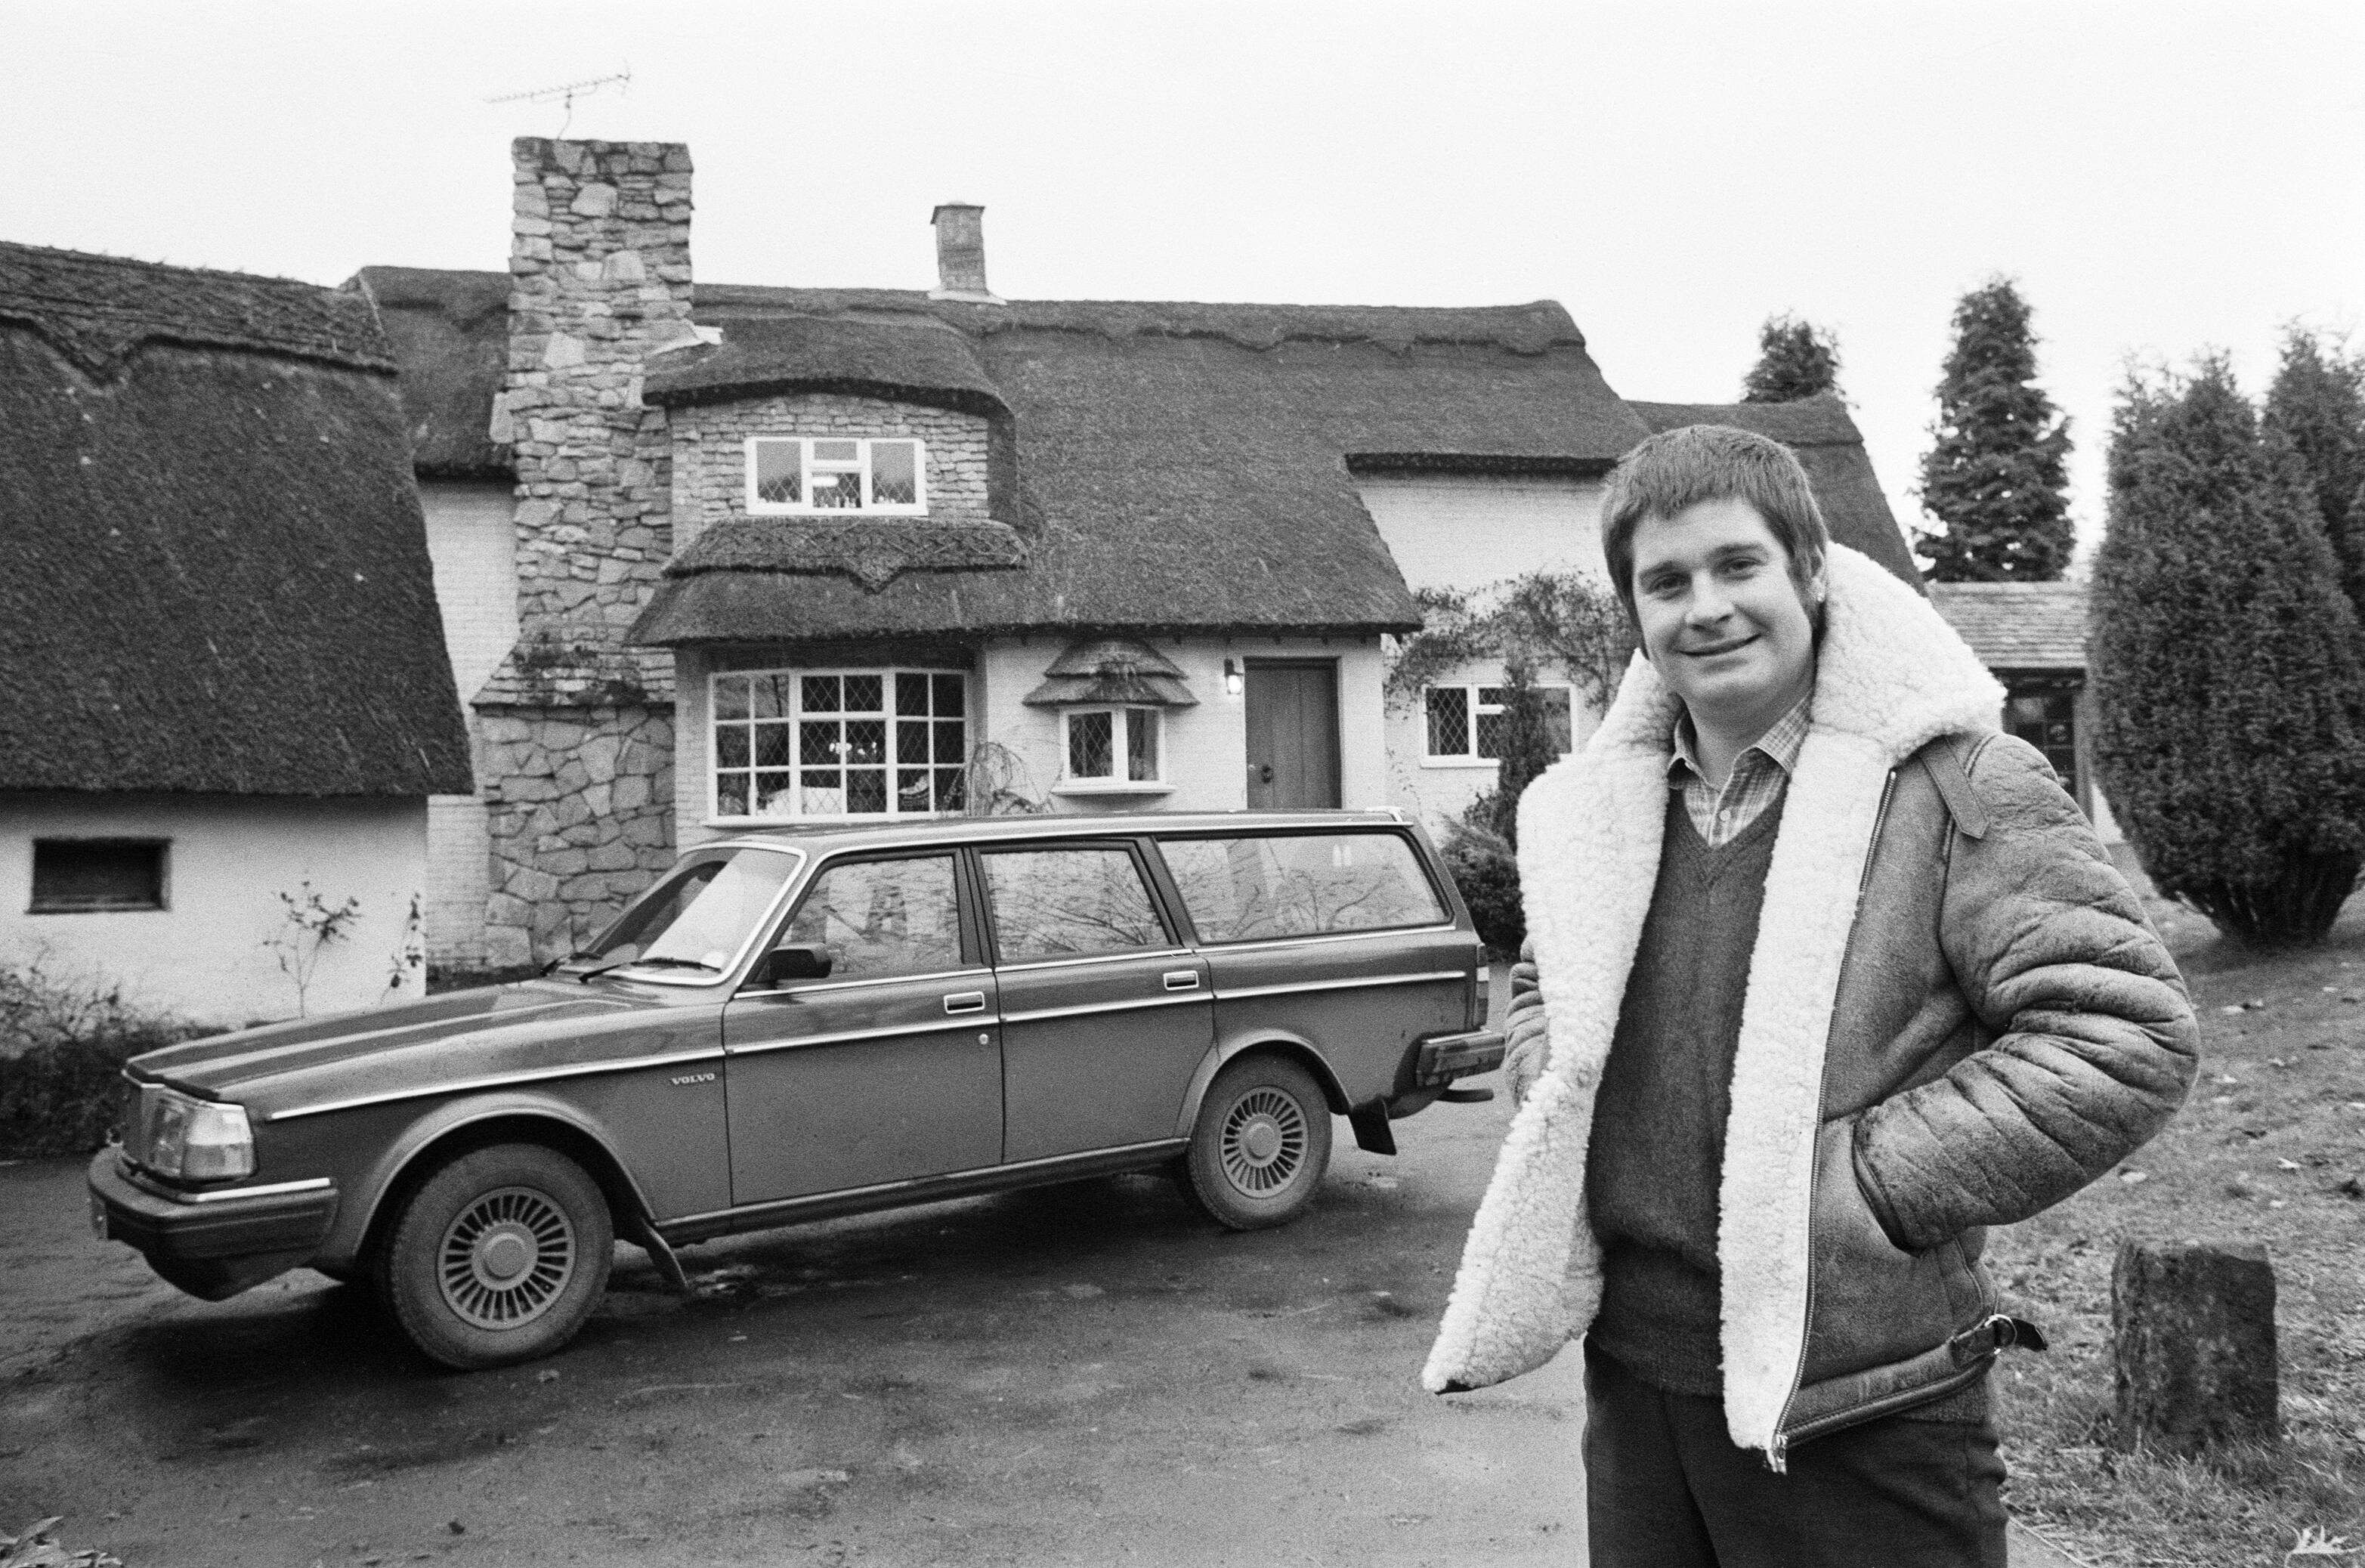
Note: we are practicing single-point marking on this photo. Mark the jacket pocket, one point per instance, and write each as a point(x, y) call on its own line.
point(1872, 1304)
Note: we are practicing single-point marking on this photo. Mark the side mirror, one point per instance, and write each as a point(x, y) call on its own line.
point(793, 961)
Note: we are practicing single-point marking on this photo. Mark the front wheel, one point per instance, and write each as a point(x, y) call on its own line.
point(1261, 1144)
point(498, 1257)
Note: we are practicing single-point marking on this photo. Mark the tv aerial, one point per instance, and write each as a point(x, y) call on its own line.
point(566, 92)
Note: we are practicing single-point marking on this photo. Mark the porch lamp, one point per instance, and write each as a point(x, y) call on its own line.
point(1231, 679)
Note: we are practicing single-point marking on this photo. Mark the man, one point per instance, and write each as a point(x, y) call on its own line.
point(1827, 977)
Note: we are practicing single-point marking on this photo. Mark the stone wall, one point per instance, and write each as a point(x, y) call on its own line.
point(580, 818)
point(709, 452)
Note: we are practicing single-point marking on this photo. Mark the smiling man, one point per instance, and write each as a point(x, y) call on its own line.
point(1824, 977)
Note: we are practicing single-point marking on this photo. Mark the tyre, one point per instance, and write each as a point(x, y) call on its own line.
point(1261, 1144)
point(497, 1257)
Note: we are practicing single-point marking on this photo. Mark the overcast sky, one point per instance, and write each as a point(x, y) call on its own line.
point(2157, 178)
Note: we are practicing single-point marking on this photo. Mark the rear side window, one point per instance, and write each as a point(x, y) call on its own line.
point(1066, 904)
point(1246, 889)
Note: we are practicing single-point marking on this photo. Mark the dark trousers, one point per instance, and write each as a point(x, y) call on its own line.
point(1666, 1488)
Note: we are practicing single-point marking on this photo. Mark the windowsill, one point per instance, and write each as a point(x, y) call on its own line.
point(1464, 764)
point(880, 818)
point(839, 514)
point(1110, 787)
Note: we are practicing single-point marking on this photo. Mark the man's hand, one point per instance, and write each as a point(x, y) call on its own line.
point(1526, 1046)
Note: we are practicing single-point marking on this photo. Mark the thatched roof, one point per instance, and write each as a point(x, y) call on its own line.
point(1178, 466)
point(216, 578)
point(450, 332)
point(1831, 449)
point(2018, 626)
point(1112, 669)
point(1184, 467)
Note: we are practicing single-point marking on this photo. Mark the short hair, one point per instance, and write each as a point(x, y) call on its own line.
point(1680, 468)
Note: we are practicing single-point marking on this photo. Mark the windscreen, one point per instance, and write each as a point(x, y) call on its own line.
point(702, 914)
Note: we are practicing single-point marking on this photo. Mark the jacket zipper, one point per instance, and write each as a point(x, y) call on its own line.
point(1778, 1457)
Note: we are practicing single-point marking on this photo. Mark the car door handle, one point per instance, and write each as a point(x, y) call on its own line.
point(965, 1001)
point(1182, 979)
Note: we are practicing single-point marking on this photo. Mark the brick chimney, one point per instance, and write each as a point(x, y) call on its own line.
point(961, 254)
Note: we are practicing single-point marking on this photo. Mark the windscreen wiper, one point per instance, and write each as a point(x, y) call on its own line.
point(647, 964)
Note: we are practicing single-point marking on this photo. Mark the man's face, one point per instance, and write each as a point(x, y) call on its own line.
point(1722, 619)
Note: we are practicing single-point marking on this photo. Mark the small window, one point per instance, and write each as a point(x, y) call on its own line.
point(74, 875)
point(884, 917)
point(1248, 890)
point(2047, 718)
point(820, 474)
point(1065, 903)
point(1112, 745)
point(1465, 722)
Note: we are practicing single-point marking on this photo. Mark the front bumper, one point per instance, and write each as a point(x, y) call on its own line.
point(214, 1244)
point(1442, 1059)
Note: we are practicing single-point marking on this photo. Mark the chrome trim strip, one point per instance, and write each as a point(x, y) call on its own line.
point(1144, 952)
point(1263, 944)
point(1235, 994)
point(271, 1190)
point(1134, 1005)
point(960, 1024)
point(813, 987)
point(498, 1081)
point(842, 1192)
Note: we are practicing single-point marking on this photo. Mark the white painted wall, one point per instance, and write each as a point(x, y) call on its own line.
point(472, 542)
point(1206, 746)
point(205, 957)
point(1467, 530)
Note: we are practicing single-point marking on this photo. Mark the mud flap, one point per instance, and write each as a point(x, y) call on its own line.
point(1373, 1134)
point(635, 1228)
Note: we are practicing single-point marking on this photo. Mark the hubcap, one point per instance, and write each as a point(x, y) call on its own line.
point(1264, 1146)
point(506, 1258)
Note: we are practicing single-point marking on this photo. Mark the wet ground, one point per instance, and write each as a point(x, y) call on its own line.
point(1083, 1374)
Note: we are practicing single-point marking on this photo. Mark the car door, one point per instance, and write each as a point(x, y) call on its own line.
point(1105, 1015)
point(888, 1070)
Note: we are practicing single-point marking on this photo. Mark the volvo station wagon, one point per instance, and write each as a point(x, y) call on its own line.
point(797, 1024)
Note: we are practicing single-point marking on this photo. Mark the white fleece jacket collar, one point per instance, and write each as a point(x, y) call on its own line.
point(1890, 676)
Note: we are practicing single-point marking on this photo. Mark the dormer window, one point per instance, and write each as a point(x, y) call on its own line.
point(814, 475)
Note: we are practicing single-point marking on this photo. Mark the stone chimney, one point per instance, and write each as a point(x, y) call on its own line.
point(576, 725)
point(961, 254)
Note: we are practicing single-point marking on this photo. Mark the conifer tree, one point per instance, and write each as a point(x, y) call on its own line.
point(2227, 664)
point(1795, 359)
point(2317, 403)
point(1995, 480)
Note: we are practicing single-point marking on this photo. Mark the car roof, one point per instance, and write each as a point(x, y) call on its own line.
point(823, 838)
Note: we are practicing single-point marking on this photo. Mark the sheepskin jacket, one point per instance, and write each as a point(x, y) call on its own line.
point(1957, 1015)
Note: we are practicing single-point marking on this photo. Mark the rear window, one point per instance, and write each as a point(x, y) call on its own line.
point(1248, 890)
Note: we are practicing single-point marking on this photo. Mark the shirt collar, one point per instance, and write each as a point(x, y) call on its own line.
point(1779, 744)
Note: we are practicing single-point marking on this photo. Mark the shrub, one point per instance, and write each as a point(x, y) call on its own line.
point(2227, 665)
point(63, 1047)
point(1485, 870)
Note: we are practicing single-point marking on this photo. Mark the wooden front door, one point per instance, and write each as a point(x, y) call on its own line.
point(1293, 721)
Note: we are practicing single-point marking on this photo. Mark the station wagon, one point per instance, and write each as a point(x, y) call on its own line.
point(802, 1023)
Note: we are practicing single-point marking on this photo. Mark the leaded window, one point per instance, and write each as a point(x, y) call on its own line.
point(836, 474)
point(1466, 722)
point(846, 743)
point(1112, 745)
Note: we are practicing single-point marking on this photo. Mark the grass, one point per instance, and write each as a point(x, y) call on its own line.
point(2270, 1149)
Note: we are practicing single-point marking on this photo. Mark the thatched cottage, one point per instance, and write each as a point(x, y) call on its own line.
point(717, 555)
point(226, 683)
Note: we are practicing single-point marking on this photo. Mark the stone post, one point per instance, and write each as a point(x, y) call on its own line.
point(578, 723)
point(2193, 1337)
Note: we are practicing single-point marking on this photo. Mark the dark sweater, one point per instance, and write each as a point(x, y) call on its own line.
point(1656, 1160)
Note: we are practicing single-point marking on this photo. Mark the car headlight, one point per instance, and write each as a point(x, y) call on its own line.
point(190, 1139)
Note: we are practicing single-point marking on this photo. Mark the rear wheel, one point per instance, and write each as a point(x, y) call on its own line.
point(1261, 1144)
point(498, 1257)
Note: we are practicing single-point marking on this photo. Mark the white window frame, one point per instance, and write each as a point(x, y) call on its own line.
point(803, 507)
point(1120, 726)
point(1471, 709)
point(888, 675)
